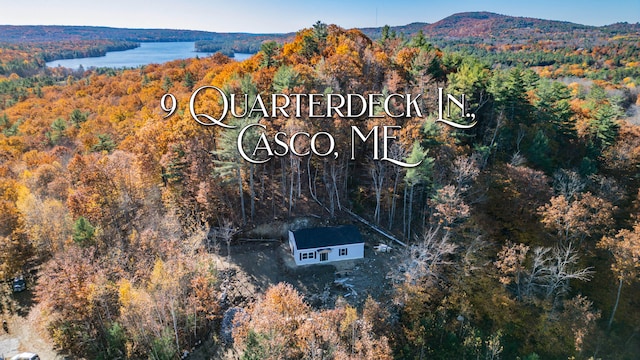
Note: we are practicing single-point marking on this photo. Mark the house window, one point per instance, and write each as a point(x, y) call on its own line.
point(307, 255)
point(343, 252)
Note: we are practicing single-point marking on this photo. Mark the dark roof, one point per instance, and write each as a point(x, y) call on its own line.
point(327, 236)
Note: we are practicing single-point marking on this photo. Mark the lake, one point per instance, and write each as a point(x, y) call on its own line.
point(146, 53)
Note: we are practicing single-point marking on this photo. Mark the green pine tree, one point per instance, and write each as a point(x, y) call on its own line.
point(188, 81)
point(77, 117)
point(167, 84)
point(57, 131)
point(269, 50)
point(254, 349)
point(285, 78)
point(105, 143)
point(83, 232)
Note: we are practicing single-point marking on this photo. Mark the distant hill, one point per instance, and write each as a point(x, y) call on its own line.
point(461, 25)
point(409, 29)
point(486, 24)
point(622, 27)
point(44, 33)
point(477, 26)
point(227, 43)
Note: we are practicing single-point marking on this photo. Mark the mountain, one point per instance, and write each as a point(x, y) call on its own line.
point(465, 24)
point(622, 27)
point(44, 33)
point(461, 25)
point(486, 24)
point(227, 43)
point(478, 26)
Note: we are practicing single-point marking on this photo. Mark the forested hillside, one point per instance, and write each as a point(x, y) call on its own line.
point(26, 48)
point(523, 232)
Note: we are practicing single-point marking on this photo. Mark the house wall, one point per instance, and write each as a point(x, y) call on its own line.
point(353, 251)
point(292, 243)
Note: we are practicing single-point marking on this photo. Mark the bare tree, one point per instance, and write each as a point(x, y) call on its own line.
point(609, 189)
point(378, 174)
point(335, 174)
point(563, 268)
point(465, 171)
point(424, 260)
point(522, 132)
point(567, 183)
point(517, 160)
point(548, 274)
point(226, 232)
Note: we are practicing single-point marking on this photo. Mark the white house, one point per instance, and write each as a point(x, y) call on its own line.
point(326, 244)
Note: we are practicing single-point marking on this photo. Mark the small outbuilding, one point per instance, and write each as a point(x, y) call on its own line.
point(326, 244)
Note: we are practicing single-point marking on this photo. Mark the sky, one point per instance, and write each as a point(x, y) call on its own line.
point(259, 16)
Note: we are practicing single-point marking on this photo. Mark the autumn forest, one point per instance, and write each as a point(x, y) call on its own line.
point(522, 232)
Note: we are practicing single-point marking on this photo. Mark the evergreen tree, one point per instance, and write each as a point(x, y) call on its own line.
point(418, 175)
point(516, 102)
point(538, 152)
point(188, 80)
point(604, 128)
point(309, 46)
point(167, 84)
point(4, 121)
point(285, 78)
point(105, 143)
point(511, 104)
point(553, 107)
point(320, 31)
point(385, 33)
point(77, 117)
point(420, 41)
point(57, 131)
point(268, 50)
point(254, 349)
point(83, 232)
point(176, 163)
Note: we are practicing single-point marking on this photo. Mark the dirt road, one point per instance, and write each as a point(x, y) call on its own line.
point(25, 336)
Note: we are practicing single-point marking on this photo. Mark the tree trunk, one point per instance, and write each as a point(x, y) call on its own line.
point(291, 168)
point(392, 211)
point(334, 184)
point(311, 188)
point(283, 168)
point(252, 191)
point(345, 182)
point(330, 192)
point(410, 212)
point(404, 214)
point(175, 325)
point(299, 174)
point(615, 306)
point(263, 175)
point(244, 215)
point(274, 188)
point(377, 178)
